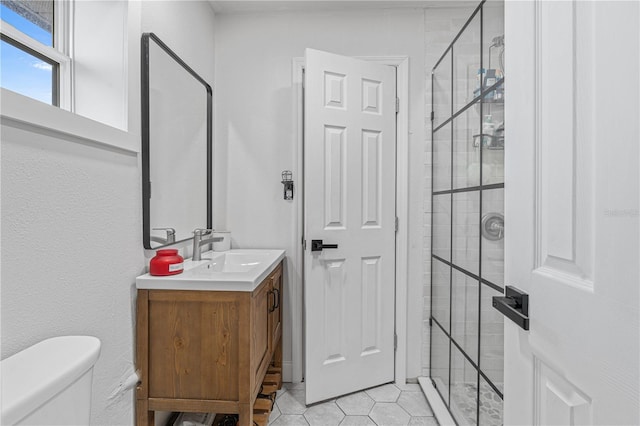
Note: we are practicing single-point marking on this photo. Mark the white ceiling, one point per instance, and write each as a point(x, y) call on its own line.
point(265, 6)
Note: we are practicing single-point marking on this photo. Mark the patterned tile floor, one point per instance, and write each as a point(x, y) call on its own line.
point(386, 405)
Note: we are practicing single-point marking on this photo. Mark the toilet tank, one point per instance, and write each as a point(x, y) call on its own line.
point(49, 383)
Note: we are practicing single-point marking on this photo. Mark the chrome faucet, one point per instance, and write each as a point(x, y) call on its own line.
point(198, 242)
point(170, 239)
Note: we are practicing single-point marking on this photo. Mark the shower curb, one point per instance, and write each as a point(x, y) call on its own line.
point(437, 405)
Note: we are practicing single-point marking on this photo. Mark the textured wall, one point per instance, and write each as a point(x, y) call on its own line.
point(71, 221)
point(71, 249)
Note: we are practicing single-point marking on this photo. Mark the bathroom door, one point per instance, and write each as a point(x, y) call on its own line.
point(349, 163)
point(572, 204)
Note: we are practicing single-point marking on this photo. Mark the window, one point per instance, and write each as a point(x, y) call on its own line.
point(33, 50)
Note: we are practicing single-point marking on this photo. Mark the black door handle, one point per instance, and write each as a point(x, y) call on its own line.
point(316, 245)
point(514, 305)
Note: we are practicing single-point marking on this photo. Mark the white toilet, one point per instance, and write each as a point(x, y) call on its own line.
point(49, 383)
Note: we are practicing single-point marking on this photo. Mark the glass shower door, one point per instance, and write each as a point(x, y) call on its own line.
point(467, 256)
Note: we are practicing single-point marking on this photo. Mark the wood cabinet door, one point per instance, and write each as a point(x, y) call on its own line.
point(275, 316)
point(193, 345)
point(262, 302)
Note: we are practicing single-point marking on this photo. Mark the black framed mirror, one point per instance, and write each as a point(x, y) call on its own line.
point(177, 133)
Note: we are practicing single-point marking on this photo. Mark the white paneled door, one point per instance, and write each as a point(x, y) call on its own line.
point(349, 168)
point(572, 207)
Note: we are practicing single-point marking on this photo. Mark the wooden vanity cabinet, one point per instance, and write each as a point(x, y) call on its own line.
point(207, 351)
point(261, 354)
point(275, 314)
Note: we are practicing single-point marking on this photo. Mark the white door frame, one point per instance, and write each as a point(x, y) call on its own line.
point(402, 212)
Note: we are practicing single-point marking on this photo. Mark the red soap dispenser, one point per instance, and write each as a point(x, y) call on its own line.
point(166, 262)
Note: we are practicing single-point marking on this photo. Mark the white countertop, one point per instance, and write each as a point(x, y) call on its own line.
point(231, 270)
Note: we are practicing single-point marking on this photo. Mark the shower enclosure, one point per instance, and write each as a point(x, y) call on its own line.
point(467, 245)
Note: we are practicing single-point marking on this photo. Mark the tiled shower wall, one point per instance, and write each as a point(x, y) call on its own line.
point(441, 26)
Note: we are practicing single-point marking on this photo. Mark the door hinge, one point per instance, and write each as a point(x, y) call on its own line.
point(397, 223)
point(304, 244)
point(397, 105)
point(432, 115)
point(395, 342)
point(430, 322)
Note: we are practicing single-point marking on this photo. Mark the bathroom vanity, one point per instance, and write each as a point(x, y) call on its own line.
point(210, 338)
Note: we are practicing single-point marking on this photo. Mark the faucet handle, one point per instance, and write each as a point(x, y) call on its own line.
point(202, 231)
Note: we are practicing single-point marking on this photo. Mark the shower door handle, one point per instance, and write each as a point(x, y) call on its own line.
point(514, 305)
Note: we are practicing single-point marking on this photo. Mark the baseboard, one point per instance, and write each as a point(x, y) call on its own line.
point(437, 405)
point(287, 371)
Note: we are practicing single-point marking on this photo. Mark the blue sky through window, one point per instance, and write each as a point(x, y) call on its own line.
point(20, 71)
point(29, 28)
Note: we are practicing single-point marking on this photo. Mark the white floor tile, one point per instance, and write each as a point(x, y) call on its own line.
point(356, 404)
point(389, 414)
point(379, 403)
point(280, 392)
point(290, 420)
point(415, 404)
point(423, 421)
point(327, 414)
point(275, 413)
point(357, 421)
point(292, 402)
point(384, 393)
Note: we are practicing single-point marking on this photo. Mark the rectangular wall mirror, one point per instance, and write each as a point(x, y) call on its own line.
point(176, 147)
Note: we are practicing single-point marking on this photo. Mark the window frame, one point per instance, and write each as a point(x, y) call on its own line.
point(64, 123)
point(59, 56)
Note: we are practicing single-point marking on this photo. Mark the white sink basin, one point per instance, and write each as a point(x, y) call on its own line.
point(232, 270)
point(234, 261)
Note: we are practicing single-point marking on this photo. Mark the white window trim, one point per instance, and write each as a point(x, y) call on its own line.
point(63, 43)
point(23, 112)
point(19, 111)
point(34, 44)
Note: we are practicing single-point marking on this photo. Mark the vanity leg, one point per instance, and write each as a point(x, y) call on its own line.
point(245, 415)
point(144, 417)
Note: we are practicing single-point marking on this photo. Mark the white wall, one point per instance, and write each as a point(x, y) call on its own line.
point(255, 127)
point(71, 249)
point(71, 217)
point(100, 49)
point(187, 28)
